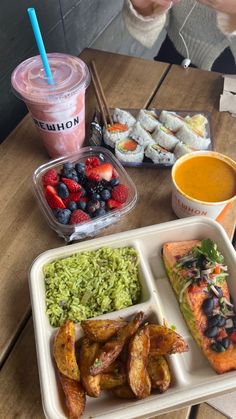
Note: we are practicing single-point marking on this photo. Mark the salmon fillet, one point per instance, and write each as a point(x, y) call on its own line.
point(192, 294)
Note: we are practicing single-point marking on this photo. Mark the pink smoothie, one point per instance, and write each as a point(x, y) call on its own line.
point(58, 110)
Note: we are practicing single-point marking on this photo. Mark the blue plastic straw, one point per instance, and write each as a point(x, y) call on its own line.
point(40, 44)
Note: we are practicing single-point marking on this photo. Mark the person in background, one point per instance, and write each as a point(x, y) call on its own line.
point(209, 32)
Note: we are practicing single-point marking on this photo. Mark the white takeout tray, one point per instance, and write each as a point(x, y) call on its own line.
point(193, 378)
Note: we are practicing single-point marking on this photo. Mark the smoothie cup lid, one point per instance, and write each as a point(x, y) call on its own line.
point(29, 82)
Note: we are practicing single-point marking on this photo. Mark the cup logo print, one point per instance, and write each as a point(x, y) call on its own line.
point(58, 126)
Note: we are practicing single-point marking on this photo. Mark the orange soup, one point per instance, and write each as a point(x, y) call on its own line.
point(206, 178)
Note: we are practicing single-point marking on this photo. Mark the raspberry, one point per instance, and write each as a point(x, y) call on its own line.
point(50, 178)
point(79, 216)
point(120, 193)
point(71, 184)
point(92, 162)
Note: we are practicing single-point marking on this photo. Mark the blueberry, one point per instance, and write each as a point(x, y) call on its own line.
point(81, 205)
point(72, 206)
point(100, 212)
point(63, 215)
point(62, 190)
point(114, 182)
point(95, 196)
point(69, 174)
point(102, 204)
point(68, 166)
point(83, 192)
point(80, 167)
point(105, 194)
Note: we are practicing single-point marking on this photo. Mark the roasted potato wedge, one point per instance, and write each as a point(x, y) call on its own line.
point(75, 396)
point(138, 377)
point(87, 355)
point(111, 350)
point(123, 392)
point(116, 366)
point(64, 351)
point(165, 341)
point(111, 380)
point(159, 372)
point(101, 330)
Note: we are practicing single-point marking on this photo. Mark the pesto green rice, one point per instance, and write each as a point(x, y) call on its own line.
point(91, 283)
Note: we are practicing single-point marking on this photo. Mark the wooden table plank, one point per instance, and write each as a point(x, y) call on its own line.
point(207, 412)
point(191, 89)
point(24, 233)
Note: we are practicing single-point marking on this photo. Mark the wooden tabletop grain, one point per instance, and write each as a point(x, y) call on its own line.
point(128, 82)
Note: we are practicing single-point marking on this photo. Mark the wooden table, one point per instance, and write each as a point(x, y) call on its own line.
point(129, 83)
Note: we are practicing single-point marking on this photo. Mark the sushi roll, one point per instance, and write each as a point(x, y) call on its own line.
point(140, 135)
point(123, 117)
point(181, 149)
point(165, 138)
point(159, 155)
point(171, 120)
point(148, 119)
point(115, 132)
point(192, 138)
point(198, 122)
point(129, 151)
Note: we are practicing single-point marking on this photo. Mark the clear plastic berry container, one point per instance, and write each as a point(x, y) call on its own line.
point(94, 225)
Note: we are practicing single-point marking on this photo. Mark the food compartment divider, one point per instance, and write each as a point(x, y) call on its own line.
point(189, 385)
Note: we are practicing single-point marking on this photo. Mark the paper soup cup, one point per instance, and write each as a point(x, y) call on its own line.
point(204, 183)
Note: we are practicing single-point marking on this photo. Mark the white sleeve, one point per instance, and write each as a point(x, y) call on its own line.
point(227, 23)
point(145, 29)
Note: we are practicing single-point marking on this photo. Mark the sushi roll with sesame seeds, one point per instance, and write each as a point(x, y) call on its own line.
point(148, 119)
point(123, 117)
point(114, 133)
point(181, 149)
point(171, 120)
point(129, 151)
point(140, 135)
point(192, 138)
point(159, 155)
point(165, 138)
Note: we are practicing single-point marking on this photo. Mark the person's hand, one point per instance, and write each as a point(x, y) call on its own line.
point(147, 7)
point(225, 6)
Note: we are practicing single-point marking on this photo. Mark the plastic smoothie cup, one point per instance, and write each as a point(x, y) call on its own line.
point(58, 110)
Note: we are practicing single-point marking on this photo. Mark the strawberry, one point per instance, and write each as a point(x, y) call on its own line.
point(104, 171)
point(112, 204)
point(114, 174)
point(53, 200)
point(120, 193)
point(71, 184)
point(50, 178)
point(79, 216)
point(92, 162)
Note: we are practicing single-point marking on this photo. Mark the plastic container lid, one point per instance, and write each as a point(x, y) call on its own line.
point(29, 81)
